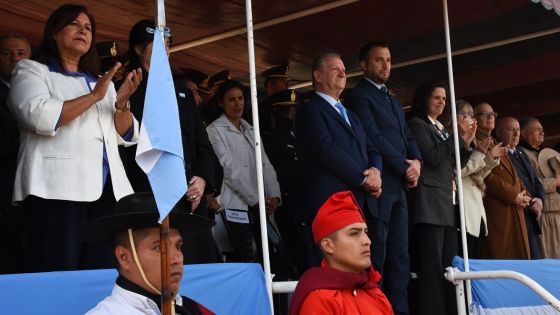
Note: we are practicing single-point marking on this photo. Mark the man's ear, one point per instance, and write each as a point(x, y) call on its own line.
point(363, 65)
point(327, 245)
point(523, 133)
point(124, 257)
point(316, 76)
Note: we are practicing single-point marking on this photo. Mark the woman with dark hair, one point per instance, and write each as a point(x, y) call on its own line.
point(233, 141)
point(433, 200)
point(71, 121)
point(197, 150)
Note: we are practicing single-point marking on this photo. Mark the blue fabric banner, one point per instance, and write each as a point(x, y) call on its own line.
point(224, 288)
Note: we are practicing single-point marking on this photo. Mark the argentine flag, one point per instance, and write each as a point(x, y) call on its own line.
point(160, 151)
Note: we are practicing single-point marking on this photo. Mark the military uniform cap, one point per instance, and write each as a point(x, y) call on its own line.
point(275, 72)
point(192, 75)
point(214, 80)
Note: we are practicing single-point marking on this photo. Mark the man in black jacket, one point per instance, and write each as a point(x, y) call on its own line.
point(13, 48)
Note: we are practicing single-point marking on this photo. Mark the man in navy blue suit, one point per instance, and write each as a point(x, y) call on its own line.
point(337, 155)
point(383, 118)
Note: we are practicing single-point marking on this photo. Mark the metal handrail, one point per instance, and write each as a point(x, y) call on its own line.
point(457, 277)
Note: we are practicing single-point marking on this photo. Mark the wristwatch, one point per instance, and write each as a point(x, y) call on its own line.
point(124, 109)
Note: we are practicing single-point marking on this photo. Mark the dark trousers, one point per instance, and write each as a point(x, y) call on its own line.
point(11, 221)
point(200, 248)
point(52, 240)
point(437, 245)
point(473, 243)
point(389, 236)
point(532, 233)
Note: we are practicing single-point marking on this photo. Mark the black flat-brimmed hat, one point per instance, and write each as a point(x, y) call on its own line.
point(139, 211)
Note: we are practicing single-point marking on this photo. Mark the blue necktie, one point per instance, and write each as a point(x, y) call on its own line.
point(385, 92)
point(342, 112)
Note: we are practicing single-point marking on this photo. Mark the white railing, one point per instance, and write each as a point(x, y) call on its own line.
point(458, 277)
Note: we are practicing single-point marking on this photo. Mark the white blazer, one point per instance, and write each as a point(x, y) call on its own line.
point(236, 152)
point(63, 163)
point(480, 165)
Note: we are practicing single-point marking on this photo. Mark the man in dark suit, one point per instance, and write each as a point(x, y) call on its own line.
point(13, 48)
point(337, 155)
point(383, 118)
point(509, 132)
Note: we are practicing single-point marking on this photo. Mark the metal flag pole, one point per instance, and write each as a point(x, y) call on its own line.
point(457, 150)
point(258, 156)
point(166, 294)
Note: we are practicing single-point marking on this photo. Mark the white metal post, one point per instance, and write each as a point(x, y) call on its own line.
point(258, 156)
point(457, 150)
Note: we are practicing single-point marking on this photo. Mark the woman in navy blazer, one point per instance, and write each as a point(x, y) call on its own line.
point(433, 211)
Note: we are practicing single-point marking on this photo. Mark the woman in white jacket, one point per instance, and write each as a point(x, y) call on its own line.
point(481, 162)
point(71, 121)
point(233, 141)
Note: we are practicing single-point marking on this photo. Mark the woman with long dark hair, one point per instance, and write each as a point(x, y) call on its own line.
point(197, 150)
point(233, 141)
point(433, 200)
point(71, 121)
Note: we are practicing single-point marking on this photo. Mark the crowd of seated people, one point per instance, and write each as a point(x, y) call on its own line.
point(69, 131)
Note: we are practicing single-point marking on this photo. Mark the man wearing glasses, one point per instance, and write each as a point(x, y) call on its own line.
point(486, 120)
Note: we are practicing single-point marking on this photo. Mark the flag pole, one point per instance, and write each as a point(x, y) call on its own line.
point(258, 150)
point(458, 177)
point(166, 294)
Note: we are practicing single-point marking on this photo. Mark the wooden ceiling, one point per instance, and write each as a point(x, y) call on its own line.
point(521, 79)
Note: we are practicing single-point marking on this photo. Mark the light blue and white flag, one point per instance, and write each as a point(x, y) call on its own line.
point(160, 151)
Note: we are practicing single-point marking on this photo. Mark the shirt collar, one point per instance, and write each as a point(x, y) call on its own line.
point(54, 66)
point(436, 123)
point(378, 86)
point(328, 98)
point(144, 295)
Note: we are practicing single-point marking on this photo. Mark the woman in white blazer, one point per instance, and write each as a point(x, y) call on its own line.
point(71, 121)
point(233, 141)
point(480, 164)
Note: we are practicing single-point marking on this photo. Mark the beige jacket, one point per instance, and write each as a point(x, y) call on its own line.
point(473, 174)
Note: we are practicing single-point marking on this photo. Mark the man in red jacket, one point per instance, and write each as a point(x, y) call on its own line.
point(346, 282)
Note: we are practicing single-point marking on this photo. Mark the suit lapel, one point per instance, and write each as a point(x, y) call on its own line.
point(391, 108)
point(379, 98)
point(508, 166)
point(359, 140)
point(333, 112)
point(435, 133)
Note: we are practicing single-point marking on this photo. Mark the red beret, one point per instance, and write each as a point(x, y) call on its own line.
point(340, 210)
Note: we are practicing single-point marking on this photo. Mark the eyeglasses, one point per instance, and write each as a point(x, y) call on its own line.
point(465, 114)
point(488, 114)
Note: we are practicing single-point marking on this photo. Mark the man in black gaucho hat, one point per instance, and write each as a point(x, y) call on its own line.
point(134, 232)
